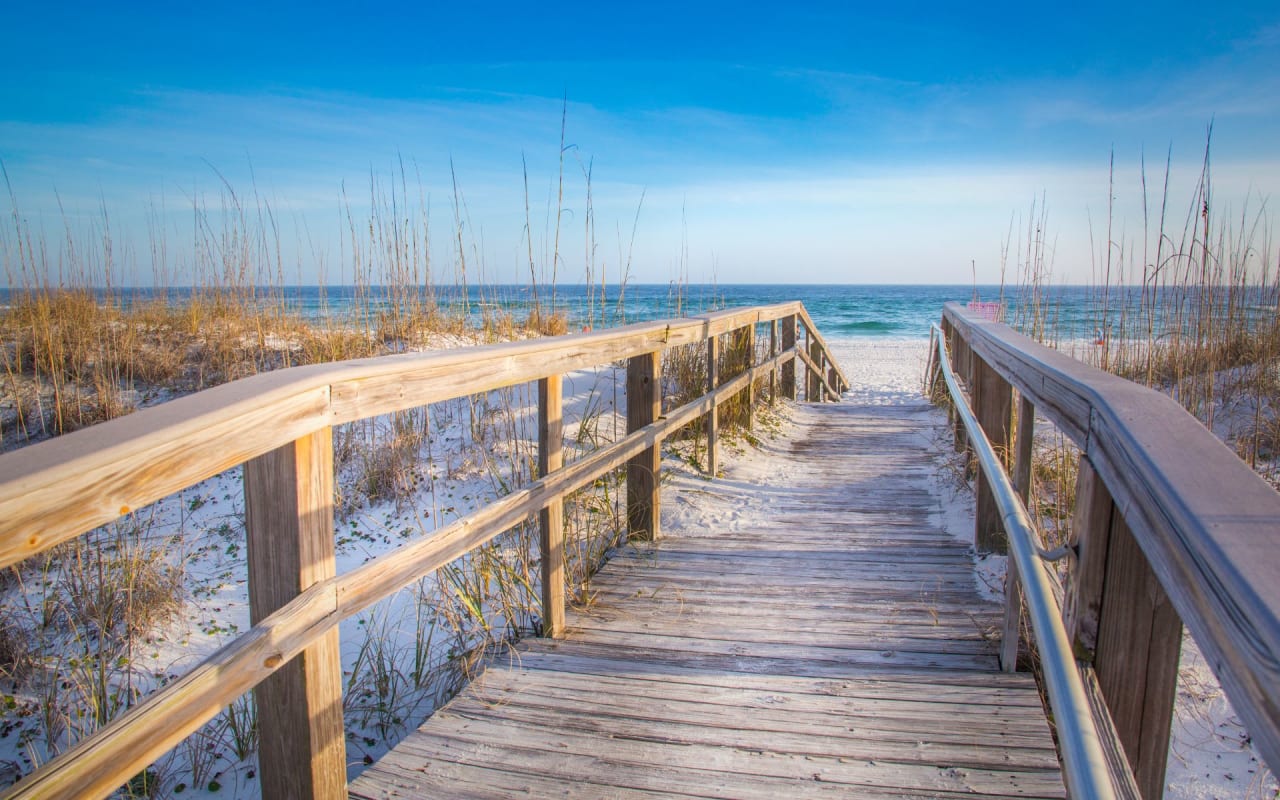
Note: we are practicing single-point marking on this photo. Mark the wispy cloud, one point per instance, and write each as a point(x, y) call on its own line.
point(841, 171)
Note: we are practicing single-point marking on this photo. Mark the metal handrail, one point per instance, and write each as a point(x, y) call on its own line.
point(1084, 764)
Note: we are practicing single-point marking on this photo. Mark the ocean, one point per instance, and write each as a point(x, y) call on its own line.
point(840, 311)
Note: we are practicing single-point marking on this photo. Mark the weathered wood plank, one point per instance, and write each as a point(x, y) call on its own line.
point(644, 406)
point(773, 352)
point(789, 368)
point(713, 416)
point(551, 517)
point(1139, 642)
point(1024, 439)
point(1010, 694)
point(841, 636)
point(288, 496)
point(993, 406)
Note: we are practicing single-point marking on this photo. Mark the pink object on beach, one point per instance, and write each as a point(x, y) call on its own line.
point(989, 311)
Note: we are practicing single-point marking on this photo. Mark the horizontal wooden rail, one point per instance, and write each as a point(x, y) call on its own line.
point(816, 336)
point(62, 488)
point(1202, 524)
point(148, 456)
point(817, 372)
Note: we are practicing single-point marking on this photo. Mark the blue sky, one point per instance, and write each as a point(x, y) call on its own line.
point(830, 143)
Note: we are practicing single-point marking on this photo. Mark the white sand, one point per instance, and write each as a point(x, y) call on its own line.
point(882, 370)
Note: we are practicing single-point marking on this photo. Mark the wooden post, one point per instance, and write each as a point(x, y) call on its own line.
point(551, 518)
point(1091, 529)
point(789, 368)
point(813, 386)
point(955, 345)
point(288, 500)
point(931, 368)
point(713, 416)
point(644, 405)
point(1120, 618)
point(993, 406)
point(1023, 440)
point(749, 341)
point(773, 353)
point(834, 380)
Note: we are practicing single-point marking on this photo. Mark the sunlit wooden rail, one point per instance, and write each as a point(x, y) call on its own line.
point(1170, 528)
point(278, 425)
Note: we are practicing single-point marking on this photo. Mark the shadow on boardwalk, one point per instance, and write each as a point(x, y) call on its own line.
point(830, 645)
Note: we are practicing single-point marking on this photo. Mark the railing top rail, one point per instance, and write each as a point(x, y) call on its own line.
point(1208, 525)
point(1085, 765)
point(56, 490)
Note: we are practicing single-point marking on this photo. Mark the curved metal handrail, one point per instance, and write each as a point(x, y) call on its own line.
point(1084, 764)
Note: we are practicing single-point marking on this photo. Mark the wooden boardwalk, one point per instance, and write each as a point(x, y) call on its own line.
point(837, 648)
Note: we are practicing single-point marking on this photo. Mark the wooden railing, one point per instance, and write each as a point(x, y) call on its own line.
point(1169, 528)
point(278, 425)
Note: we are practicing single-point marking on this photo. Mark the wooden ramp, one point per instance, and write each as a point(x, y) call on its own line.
point(837, 648)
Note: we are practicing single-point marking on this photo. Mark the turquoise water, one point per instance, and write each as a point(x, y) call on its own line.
point(840, 311)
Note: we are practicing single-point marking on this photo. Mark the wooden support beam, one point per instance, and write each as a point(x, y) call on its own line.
point(644, 405)
point(954, 345)
point(773, 353)
point(288, 494)
point(1120, 618)
point(1139, 643)
point(551, 517)
point(814, 390)
point(788, 378)
point(1011, 632)
point(1023, 440)
point(1091, 530)
point(749, 343)
point(993, 406)
point(713, 416)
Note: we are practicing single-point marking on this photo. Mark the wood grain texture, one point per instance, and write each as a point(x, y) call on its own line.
point(749, 344)
point(773, 351)
point(814, 375)
point(551, 517)
point(1204, 521)
point(834, 647)
point(644, 406)
point(288, 495)
point(713, 416)
point(1139, 642)
point(1024, 438)
point(993, 407)
point(788, 372)
point(1091, 529)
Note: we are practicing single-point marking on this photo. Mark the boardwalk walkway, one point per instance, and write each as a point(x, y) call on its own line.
point(836, 648)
